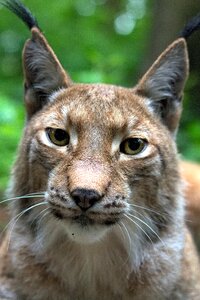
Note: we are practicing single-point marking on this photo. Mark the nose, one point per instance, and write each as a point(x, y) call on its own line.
point(85, 198)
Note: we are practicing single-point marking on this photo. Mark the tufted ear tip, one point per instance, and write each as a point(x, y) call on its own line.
point(164, 82)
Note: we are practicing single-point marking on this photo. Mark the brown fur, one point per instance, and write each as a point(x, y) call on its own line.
point(132, 241)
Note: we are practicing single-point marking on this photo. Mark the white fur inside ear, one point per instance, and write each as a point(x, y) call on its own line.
point(148, 103)
point(55, 95)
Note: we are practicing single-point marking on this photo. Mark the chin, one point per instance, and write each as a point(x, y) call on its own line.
point(83, 232)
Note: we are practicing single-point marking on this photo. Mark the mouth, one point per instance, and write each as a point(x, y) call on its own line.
point(86, 227)
point(87, 219)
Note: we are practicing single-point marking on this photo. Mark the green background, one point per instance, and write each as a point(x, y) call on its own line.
point(97, 41)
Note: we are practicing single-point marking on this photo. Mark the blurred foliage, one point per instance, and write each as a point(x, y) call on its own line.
point(11, 123)
point(96, 41)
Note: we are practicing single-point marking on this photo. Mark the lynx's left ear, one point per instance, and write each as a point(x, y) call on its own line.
point(164, 82)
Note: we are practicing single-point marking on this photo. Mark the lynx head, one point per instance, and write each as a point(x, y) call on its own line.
point(104, 155)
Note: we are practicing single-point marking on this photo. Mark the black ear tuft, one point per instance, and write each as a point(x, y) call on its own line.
point(190, 27)
point(21, 11)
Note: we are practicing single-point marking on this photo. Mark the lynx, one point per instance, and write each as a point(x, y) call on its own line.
point(97, 196)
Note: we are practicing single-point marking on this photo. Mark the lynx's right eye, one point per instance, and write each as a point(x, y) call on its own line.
point(58, 137)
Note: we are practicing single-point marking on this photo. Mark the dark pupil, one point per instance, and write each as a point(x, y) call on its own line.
point(60, 135)
point(134, 144)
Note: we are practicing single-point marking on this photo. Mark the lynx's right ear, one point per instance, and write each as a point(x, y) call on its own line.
point(43, 72)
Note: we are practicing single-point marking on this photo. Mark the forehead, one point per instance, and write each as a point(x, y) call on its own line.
point(108, 104)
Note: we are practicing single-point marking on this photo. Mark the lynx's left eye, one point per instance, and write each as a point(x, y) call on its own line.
point(133, 146)
point(57, 136)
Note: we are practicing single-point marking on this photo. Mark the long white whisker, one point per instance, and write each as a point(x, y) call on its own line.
point(148, 209)
point(140, 214)
point(128, 235)
point(140, 228)
point(148, 218)
point(129, 239)
point(48, 212)
point(123, 234)
point(143, 222)
point(35, 193)
point(42, 217)
point(16, 218)
point(22, 197)
point(24, 211)
point(38, 216)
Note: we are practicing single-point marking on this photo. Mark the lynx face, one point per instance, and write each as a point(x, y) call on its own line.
point(100, 153)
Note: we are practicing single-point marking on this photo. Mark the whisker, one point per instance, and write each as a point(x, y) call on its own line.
point(38, 216)
point(129, 239)
point(24, 211)
point(123, 234)
point(156, 222)
point(128, 235)
point(139, 227)
point(36, 195)
point(143, 216)
point(16, 218)
point(148, 209)
point(42, 217)
point(143, 222)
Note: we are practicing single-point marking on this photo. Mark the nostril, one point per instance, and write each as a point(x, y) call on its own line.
point(85, 198)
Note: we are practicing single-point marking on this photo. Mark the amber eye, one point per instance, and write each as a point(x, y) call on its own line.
point(133, 146)
point(57, 136)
